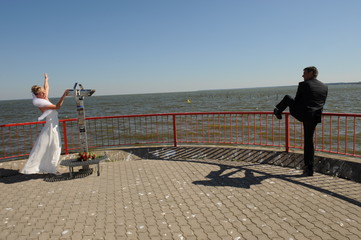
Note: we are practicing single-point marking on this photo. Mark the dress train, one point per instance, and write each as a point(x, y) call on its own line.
point(45, 154)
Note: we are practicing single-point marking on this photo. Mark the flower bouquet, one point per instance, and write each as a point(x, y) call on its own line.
point(85, 156)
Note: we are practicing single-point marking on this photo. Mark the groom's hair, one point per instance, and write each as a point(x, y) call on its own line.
point(312, 69)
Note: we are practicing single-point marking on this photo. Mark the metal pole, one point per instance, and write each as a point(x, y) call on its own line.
point(79, 95)
point(81, 124)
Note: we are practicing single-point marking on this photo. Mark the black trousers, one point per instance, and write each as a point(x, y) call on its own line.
point(309, 127)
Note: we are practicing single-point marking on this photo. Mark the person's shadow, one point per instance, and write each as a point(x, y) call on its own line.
point(244, 177)
point(217, 178)
point(223, 178)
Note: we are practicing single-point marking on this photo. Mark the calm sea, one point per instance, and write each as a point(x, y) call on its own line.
point(342, 98)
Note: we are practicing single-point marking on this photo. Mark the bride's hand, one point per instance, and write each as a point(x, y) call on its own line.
point(46, 76)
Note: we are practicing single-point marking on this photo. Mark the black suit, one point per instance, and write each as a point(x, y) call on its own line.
point(307, 107)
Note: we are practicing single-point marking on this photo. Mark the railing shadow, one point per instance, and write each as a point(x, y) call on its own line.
point(223, 176)
point(13, 176)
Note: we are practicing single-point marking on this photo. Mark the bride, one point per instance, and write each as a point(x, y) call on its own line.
point(45, 154)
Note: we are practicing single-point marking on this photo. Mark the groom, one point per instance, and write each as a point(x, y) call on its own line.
point(306, 107)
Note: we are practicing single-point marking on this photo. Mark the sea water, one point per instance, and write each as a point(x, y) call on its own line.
point(342, 98)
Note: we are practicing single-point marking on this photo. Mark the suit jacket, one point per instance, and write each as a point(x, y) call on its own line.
point(309, 101)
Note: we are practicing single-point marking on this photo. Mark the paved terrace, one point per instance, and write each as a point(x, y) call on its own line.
point(181, 193)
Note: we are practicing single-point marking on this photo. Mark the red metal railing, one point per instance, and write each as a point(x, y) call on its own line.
point(338, 133)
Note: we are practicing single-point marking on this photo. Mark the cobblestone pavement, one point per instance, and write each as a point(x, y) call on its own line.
point(181, 199)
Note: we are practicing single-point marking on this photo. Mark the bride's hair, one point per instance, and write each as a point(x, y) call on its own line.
point(35, 89)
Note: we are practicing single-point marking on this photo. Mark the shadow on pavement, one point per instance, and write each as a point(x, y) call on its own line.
point(17, 177)
point(223, 176)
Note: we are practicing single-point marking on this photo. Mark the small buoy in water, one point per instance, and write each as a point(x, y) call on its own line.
point(189, 101)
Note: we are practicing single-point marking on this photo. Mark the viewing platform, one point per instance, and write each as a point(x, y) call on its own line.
point(188, 176)
point(182, 193)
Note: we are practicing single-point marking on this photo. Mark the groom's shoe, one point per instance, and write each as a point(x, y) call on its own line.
point(277, 113)
point(308, 172)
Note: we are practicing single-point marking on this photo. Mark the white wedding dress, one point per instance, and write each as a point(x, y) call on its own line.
point(45, 154)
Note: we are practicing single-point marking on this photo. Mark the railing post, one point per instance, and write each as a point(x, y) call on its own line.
point(66, 147)
point(287, 132)
point(174, 130)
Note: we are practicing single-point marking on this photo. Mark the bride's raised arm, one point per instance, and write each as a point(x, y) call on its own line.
point(46, 85)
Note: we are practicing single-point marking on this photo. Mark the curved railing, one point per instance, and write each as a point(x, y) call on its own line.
point(338, 133)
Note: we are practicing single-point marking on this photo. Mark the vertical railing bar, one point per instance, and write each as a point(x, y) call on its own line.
point(231, 117)
point(118, 128)
point(338, 134)
point(101, 131)
point(140, 129)
point(170, 127)
point(163, 129)
point(208, 129)
point(254, 129)
point(151, 128)
point(213, 129)
point(145, 120)
point(279, 133)
point(323, 133)
point(287, 137)
point(156, 128)
point(191, 128)
point(65, 136)
point(186, 127)
point(160, 134)
point(174, 130)
point(30, 137)
point(331, 142)
point(273, 130)
point(242, 128)
point(95, 132)
point(107, 132)
point(219, 128)
point(294, 132)
point(3, 141)
point(346, 131)
point(129, 135)
point(248, 130)
point(354, 136)
point(124, 132)
point(266, 129)
point(24, 137)
point(113, 130)
point(197, 122)
point(223, 127)
point(17, 139)
point(260, 129)
point(237, 127)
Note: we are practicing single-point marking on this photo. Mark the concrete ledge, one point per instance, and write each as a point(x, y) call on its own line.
point(350, 170)
point(339, 168)
point(342, 168)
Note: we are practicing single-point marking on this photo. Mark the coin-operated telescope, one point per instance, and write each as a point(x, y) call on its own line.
point(79, 94)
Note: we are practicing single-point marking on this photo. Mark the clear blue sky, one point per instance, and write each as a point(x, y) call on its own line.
point(151, 46)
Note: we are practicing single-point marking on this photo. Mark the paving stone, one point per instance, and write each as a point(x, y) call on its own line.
point(175, 198)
